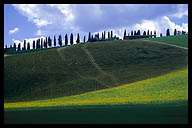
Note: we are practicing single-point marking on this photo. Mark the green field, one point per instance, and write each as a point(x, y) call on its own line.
point(112, 82)
point(179, 40)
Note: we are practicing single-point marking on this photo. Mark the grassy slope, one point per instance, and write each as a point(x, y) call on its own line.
point(179, 40)
point(169, 87)
point(86, 67)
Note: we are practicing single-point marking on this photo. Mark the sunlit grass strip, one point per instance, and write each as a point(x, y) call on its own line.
point(169, 87)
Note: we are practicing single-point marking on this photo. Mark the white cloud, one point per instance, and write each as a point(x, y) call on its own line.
point(13, 31)
point(182, 11)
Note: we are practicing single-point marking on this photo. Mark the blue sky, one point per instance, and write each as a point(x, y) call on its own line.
point(34, 21)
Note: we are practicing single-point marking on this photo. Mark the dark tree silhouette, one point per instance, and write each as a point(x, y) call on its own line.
point(24, 45)
point(19, 47)
point(108, 35)
point(155, 33)
point(66, 39)
point(49, 41)
point(161, 35)
point(84, 39)
point(104, 35)
point(28, 46)
point(45, 44)
point(41, 43)
point(111, 34)
point(144, 33)
point(71, 39)
point(175, 32)
point(124, 34)
point(138, 32)
point(151, 34)
point(34, 44)
point(167, 33)
point(14, 45)
point(135, 33)
point(55, 41)
point(60, 40)
point(148, 32)
point(131, 33)
point(89, 37)
point(78, 40)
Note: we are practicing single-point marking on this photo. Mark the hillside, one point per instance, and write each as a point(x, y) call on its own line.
point(179, 40)
point(86, 67)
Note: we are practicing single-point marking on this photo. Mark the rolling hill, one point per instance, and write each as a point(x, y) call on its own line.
point(82, 68)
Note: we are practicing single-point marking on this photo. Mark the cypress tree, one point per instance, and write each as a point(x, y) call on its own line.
point(66, 39)
point(111, 34)
point(49, 41)
point(28, 46)
point(161, 35)
point(19, 47)
point(138, 32)
point(104, 35)
point(24, 45)
point(148, 32)
point(175, 32)
point(71, 39)
point(167, 33)
point(135, 33)
point(78, 40)
point(55, 41)
point(131, 33)
point(33, 44)
point(14, 46)
point(89, 37)
point(60, 40)
point(144, 33)
point(108, 35)
point(41, 46)
point(84, 39)
point(155, 33)
point(151, 34)
point(124, 34)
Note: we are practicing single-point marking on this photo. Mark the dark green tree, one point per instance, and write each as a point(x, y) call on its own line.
point(144, 33)
point(131, 33)
point(55, 41)
point(155, 33)
point(175, 32)
point(71, 39)
point(124, 34)
point(66, 39)
point(167, 33)
point(135, 33)
point(14, 45)
point(19, 47)
point(60, 40)
point(33, 44)
point(84, 39)
point(24, 45)
point(108, 35)
point(89, 37)
point(148, 32)
point(104, 35)
point(111, 34)
point(138, 32)
point(28, 46)
point(78, 40)
point(49, 41)
point(161, 35)
point(41, 43)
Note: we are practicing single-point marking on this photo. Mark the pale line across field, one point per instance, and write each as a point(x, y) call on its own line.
point(166, 44)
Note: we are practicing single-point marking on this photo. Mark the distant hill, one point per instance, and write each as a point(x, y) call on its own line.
point(86, 67)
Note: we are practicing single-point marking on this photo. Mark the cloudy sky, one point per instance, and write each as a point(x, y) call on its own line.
point(33, 21)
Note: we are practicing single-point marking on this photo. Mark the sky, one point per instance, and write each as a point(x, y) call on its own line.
point(32, 21)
